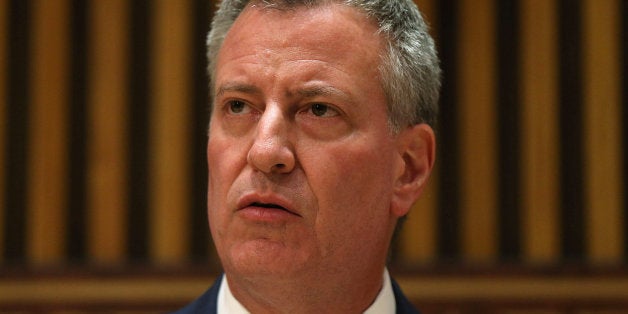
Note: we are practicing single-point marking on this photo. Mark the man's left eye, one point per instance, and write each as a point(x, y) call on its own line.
point(322, 110)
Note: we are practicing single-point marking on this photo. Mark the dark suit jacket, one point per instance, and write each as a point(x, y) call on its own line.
point(208, 302)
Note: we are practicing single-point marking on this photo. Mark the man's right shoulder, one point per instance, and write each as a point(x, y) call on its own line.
point(206, 303)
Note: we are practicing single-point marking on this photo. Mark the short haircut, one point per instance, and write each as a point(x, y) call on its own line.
point(409, 68)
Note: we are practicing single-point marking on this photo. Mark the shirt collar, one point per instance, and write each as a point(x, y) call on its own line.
point(227, 303)
point(384, 302)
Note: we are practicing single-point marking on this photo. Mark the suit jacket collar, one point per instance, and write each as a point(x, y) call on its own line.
point(208, 302)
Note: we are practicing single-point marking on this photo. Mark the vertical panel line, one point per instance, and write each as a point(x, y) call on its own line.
point(571, 125)
point(77, 145)
point(509, 134)
point(138, 126)
point(4, 99)
point(17, 131)
point(624, 100)
point(199, 117)
point(448, 217)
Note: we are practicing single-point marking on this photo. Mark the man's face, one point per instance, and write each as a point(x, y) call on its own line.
point(302, 162)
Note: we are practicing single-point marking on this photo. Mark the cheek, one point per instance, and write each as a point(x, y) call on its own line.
point(355, 170)
point(353, 186)
point(354, 201)
point(224, 157)
point(224, 162)
point(216, 167)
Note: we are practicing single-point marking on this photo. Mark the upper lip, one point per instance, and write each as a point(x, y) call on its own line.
point(266, 200)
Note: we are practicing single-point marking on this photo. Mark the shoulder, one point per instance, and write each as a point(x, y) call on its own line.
point(404, 306)
point(206, 303)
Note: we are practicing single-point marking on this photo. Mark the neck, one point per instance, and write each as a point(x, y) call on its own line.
point(333, 294)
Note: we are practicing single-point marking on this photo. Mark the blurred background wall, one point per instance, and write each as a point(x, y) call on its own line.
point(103, 123)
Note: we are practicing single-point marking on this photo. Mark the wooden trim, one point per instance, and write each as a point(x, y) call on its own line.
point(540, 141)
point(140, 38)
point(48, 125)
point(602, 135)
point(478, 130)
point(449, 209)
point(4, 97)
point(507, 119)
point(73, 292)
point(571, 122)
point(18, 105)
point(100, 290)
point(169, 132)
point(419, 230)
point(522, 289)
point(107, 155)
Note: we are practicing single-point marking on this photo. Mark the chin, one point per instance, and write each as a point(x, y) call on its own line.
point(261, 257)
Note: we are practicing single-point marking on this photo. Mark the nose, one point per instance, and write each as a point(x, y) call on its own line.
point(271, 151)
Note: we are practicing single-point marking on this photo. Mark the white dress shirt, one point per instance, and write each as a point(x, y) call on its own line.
point(383, 304)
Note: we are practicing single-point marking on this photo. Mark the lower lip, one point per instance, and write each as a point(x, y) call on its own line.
point(263, 214)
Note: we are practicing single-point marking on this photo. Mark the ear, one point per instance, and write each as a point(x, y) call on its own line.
point(416, 147)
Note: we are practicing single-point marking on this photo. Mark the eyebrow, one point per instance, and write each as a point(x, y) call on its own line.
point(238, 87)
point(305, 92)
point(316, 91)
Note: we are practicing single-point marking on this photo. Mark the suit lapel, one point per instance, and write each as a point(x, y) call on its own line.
point(404, 306)
point(205, 304)
point(208, 302)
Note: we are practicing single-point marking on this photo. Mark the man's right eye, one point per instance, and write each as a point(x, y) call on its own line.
point(237, 107)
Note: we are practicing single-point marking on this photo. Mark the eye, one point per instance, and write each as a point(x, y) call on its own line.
point(322, 110)
point(237, 107)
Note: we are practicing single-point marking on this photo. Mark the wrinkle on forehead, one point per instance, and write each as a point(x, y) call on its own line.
point(280, 52)
point(321, 16)
point(316, 27)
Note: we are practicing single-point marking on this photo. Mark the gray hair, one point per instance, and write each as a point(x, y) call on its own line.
point(409, 67)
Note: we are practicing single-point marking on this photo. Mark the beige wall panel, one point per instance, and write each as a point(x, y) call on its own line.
point(4, 23)
point(603, 161)
point(540, 132)
point(48, 127)
point(478, 129)
point(169, 137)
point(107, 153)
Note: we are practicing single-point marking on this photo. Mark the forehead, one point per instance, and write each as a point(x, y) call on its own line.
point(281, 52)
point(331, 29)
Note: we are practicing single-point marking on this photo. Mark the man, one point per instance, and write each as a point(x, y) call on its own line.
point(319, 141)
